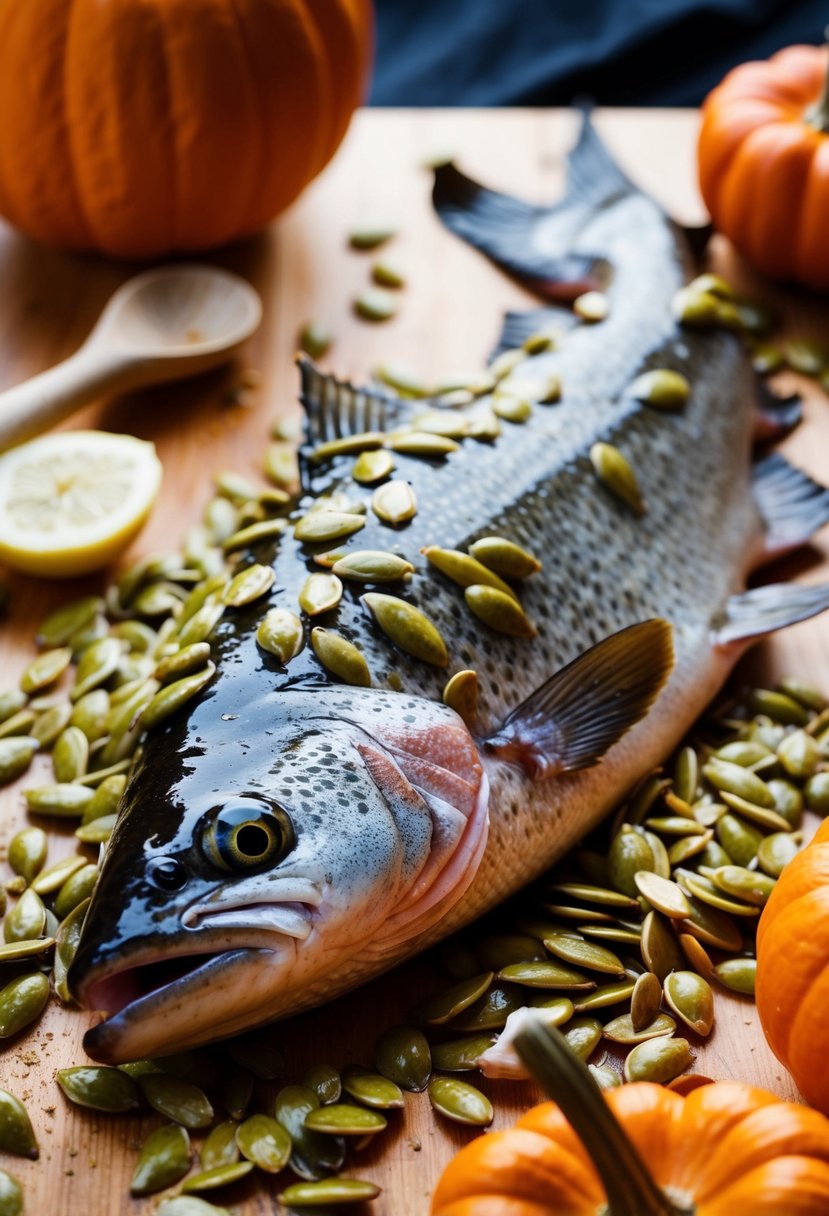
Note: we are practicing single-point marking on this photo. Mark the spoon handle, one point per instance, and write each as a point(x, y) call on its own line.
point(29, 408)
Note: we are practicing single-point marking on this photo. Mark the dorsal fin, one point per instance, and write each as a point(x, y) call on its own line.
point(581, 711)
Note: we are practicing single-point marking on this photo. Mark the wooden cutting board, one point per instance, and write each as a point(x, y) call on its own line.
point(448, 320)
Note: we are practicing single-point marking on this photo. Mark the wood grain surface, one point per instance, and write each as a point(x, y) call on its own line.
point(448, 320)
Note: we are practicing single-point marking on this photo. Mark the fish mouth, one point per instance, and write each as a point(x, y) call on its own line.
point(187, 991)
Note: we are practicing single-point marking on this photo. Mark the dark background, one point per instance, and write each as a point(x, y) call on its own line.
point(548, 52)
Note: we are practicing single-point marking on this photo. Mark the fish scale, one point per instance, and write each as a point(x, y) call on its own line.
point(373, 803)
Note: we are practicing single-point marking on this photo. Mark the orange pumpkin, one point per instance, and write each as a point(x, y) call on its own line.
point(727, 1149)
point(136, 127)
point(763, 159)
point(792, 989)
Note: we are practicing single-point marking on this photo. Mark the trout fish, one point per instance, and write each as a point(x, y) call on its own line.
point(291, 835)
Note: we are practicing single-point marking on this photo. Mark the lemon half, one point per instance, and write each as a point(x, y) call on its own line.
point(71, 501)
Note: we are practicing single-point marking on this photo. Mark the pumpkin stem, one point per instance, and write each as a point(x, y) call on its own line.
point(817, 115)
point(629, 1187)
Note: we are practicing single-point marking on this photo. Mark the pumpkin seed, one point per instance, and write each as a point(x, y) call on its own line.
point(348, 445)
point(689, 846)
point(660, 950)
point(189, 1205)
point(756, 814)
point(45, 669)
point(734, 779)
point(745, 752)
point(740, 840)
point(375, 304)
point(323, 526)
point(394, 503)
point(51, 722)
point(11, 1195)
point(446, 422)
point(658, 1060)
point(776, 851)
point(315, 338)
point(547, 975)
point(280, 633)
point(27, 852)
point(788, 800)
point(21, 1002)
point(407, 627)
point(661, 388)
point(622, 1029)
point(738, 974)
point(340, 657)
point(16, 1132)
point(371, 467)
point(591, 306)
point(388, 274)
point(767, 359)
point(98, 662)
point(27, 918)
point(62, 799)
point(90, 714)
point(675, 825)
point(511, 408)
point(52, 879)
point(237, 1091)
point(498, 950)
point(67, 939)
point(460, 1102)
point(483, 425)
point(183, 662)
point(320, 593)
point(312, 1155)
point(711, 926)
point(779, 707)
point(506, 362)
point(98, 831)
point(499, 610)
point(178, 1100)
point(344, 1119)
point(18, 725)
point(219, 1175)
point(541, 341)
point(421, 443)
point(805, 693)
point(372, 566)
point(464, 570)
point(402, 1055)
point(662, 894)
point(371, 1089)
point(584, 954)
point(78, 887)
point(816, 791)
point(11, 703)
point(689, 996)
point(451, 1002)
point(325, 1082)
point(252, 534)
point(612, 933)
point(604, 995)
point(696, 955)
point(583, 1036)
point(58, 627)
point(595, 895)
point(15, 756)
point(615, 472)
point(461, 1055)
point(461, 694)
point(221, 1148)
point(748, 885)
point(805, 356)
point(604, 1076)
point(248, 585)
point(99, 1088)
point(504, 557)
point(164, 1159)
point(14, 952)
point(799, 755)
point(492, 1010)
point(280, 467)
point(173, 696)
point(330, 1192)
point(70, 755)
point(645, 1000)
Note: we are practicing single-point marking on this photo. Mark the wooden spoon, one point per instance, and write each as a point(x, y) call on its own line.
point(165, 324)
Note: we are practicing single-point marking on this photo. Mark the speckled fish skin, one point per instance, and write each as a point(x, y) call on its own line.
point(372, 778)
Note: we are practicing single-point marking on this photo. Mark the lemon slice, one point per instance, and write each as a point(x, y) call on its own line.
point(70, 502)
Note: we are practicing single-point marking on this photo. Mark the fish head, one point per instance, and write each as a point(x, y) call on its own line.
point(318, 831)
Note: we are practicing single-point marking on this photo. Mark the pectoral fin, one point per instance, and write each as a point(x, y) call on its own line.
point(792, 504)
point(766, 609)
point(573, 719)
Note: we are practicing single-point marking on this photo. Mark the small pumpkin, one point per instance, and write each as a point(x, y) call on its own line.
point(727, 1149)
point(137, 127)
point(763, 159)
point(792, 989)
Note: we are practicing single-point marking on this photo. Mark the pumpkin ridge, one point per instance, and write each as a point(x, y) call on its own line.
point(256, 101)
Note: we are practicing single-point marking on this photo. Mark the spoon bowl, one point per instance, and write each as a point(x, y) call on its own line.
point(165, 324)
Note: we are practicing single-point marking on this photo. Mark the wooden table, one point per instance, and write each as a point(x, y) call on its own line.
point(448, 320)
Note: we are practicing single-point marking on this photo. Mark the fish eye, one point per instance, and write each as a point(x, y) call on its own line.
point(168, 873)
point(246, 834)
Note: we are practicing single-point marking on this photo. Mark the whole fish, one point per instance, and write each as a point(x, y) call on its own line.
point(291, 835)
